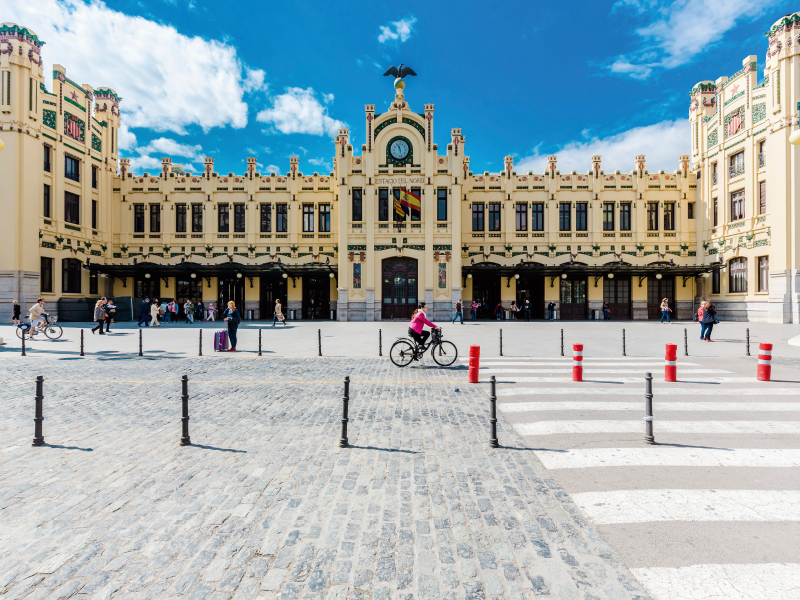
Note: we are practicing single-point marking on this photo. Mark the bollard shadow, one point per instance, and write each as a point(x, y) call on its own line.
point(383, 449)
point(204, 447)
point(532, 449)
point(602, 381)
point(691, 446)
point(780, 381)
point(46, 445)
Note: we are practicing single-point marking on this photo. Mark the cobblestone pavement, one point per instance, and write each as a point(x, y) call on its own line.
point(265, 504)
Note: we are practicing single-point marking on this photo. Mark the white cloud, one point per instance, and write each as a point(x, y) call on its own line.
point(127, 139)
point(321, 162)
point(167, 80)
point(163, 147)
point(304, 150)
point(681, 29)
point(273, 169)
point(397, 30)
point(169, 148)
point(662, 143)
point(299, 111)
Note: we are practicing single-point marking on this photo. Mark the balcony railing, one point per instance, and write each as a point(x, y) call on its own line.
point(762, 159)
point(736, 170)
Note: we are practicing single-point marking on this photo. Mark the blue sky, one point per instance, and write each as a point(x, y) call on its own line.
point(277, 79)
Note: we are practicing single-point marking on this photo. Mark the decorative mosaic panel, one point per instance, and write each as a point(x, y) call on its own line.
point(96, 144)
point(74, 128)
point(713, 139)
point(415, 125)
point(734, 122)
point(759, 112)
point(49, 119)
point(442, 276)
point(356, 276)
point(385, 124)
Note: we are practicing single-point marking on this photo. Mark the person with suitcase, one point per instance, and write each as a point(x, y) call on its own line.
point(232, 319)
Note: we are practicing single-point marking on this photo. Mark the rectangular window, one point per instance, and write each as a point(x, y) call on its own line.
point(494, 216)
point(281, 218)
point(197, 218)
point(691, 210)
point(395, 202)
point(669, 216)
point(238, 218)
point(46, 275)
point(416, 215)
point(308, 217)
point(324, 218)
point(581, 213)
point(383, 205)
point(266, 218)
point(138, 218)
point(223, 218)
point(71, 208)
point(47, 158)
point(180, 218)
point(477, 216)
point(564, 216)
point(652, 216)
point(70, 276)
point(441, 205)
point(737, 164)
point(608, 216)
point(714, 173)
point(94, 214)
point(522, 217)
point(762, 154)
point(537, 217)
point(625, 216)
point(94, 177)
point(715, 282)
point(762, 197)
point(357, 205)
point(155, 218)
point(716, 212)
point(93, 284)
point(737, 205)
point(763, 273)
point(737, 273)
point(46, 200)
point(72, 168)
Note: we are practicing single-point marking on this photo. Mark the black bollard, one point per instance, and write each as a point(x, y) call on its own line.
point(380, 343)
point(319, 340)
point(185, 439)
point(685, 342)
point(748, 341)
point(562, 342)
point(38, 438)
point(501, 342)
point(343, 443)
point(493, 416)
point(82, 342)
point(648, 407)
point(140, 343)
point(623, 343)
point(259, 341)
point(23, 343)
point(199, 343)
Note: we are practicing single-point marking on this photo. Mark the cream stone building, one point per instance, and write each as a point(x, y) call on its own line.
point(334, 245)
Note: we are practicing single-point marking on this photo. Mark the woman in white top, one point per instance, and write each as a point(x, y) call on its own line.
point(154, 315)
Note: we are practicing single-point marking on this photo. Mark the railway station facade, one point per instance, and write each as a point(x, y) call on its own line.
point(721, 224)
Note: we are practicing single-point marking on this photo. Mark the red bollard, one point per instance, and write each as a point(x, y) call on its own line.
point(577, 362)
point(671, 363)
point(764, 362)
point(474, 363)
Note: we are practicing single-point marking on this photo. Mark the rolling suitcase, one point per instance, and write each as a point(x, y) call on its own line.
point(221, 341)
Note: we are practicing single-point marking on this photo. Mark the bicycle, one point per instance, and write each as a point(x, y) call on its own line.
point(50, 328)
point(444, 353)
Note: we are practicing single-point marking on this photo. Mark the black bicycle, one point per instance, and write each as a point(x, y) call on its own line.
point(405, 350)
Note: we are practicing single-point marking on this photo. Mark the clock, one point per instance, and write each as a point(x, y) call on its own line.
point(398, 149)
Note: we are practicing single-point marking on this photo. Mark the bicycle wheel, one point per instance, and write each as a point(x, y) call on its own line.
point(444, 353)
point(19, 332)
point(53, 331)
point(402, 353)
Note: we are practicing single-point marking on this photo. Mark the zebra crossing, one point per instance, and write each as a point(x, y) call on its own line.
point(712, 511)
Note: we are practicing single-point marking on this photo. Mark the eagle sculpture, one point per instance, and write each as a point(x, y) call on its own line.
point(399, 72)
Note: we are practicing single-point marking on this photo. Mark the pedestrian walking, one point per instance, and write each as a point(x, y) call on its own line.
point(527, 308)
point(278, 318)
point(665, 310)
point(212, 313)
point(99, 316)
point(551, 310)
point(173, 308)
point(700, 320)
point(513, 310)
point(709, 318)
point(232, 319)
point(459, 313)
point(200, 310)
point(188, 310)
point(162, 310)
point(154, 309)
point(474, 306)
point(110, 309)
point(498, 311)
point(313, 309)
point(16, 310)
point(606, 311)
point(144, 310)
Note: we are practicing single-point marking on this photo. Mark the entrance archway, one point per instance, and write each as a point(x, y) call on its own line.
point(399, 277)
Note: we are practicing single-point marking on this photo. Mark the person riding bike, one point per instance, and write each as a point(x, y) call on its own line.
point(37, 314)
point(418, 321)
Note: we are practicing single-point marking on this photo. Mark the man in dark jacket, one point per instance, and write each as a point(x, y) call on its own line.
point(144, 309)
point(109, 308)
point(527, 310)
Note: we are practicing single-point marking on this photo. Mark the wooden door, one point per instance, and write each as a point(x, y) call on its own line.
point(657, 290)
point(617, 293)
point(399, 287)
point(573, 299)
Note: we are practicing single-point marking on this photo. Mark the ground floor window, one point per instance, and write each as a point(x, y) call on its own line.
point(46, 275)
point(71, 276)
point(763, 273)
point(737, 269)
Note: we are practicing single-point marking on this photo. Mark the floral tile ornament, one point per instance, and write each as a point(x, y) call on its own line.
point(74, 128)
point(442, 276)
point(357, 276)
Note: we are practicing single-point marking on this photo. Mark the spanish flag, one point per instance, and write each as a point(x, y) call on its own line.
point(410, 200)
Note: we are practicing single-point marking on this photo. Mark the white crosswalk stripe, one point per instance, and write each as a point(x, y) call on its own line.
point(732, 470)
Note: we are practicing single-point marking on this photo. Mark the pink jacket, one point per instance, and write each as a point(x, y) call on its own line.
point(419, 321)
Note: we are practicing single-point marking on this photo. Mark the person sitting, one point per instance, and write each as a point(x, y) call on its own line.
point(418, 322)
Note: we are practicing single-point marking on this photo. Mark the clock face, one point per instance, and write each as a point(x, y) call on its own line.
point(399, 149)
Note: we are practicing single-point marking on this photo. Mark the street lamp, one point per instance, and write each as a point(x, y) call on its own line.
point(238, 276)
point(658, 275)
point(330, 275)
point(147, 275)
point(516, 275)
point(794, 139)
point(193, 275)
point(563, 276)
point(610, 276)
point(285, 276)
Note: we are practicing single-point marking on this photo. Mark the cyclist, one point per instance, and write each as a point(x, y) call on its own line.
point(37, 315)
point(418, 322)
